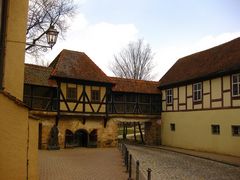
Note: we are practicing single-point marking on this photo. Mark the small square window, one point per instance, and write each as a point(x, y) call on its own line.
point(172, 127)
point(215, 129)
point(236, 130)
point(95, 95)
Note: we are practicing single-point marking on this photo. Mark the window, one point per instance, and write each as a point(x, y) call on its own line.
point(197, 92)
point(172, 127)
point(169, 96)
point(71, 93)
point(215, 129)
point(95, 95)
point(118, 97)
point(131, 98)
point(144, 98)
point(236, 84)
point(236, 130)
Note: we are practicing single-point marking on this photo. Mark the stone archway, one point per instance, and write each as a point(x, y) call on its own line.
point(93, 138)
point(81, 138)
point(69, 139)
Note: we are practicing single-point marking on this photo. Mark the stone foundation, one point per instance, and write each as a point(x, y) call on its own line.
point(152, 134)
point(106, 137)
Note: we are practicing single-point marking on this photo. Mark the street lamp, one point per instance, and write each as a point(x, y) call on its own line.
point(51, 34)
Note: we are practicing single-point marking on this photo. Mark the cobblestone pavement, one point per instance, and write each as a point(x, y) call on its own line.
point(81, 164)
point(171, 165)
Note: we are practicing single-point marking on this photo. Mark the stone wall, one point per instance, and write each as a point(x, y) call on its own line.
point(152, 132)
point(106, 137)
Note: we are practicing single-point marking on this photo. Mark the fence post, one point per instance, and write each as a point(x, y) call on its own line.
point(137, 170)
point(149, 173)
point(130, 168)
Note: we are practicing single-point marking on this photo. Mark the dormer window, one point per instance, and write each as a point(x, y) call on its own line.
point(236, 85)
point(197, 92)
point(169, 96)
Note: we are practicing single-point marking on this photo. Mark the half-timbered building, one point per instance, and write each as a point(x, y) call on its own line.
point(74, 94)
point(201, 101)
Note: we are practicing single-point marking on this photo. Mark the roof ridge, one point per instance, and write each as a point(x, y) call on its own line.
point(36, 65)
point(129, 79)
point(209, 49)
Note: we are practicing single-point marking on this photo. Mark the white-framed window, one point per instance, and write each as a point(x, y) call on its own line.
point(236, 130)
point(215, 129)
point(236, 85)
point(197, 92)
point(169, 96)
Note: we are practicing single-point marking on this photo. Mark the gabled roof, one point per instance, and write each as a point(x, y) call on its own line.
point(135, 86)
point(38, 75)
point(219, 60)
point(78, 66)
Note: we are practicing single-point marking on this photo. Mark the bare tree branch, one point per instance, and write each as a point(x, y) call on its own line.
point(41, 15)
point(134, 62)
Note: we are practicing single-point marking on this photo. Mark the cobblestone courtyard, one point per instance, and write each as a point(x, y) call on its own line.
point(171, 165)
point(106, 164)
point(81, 164)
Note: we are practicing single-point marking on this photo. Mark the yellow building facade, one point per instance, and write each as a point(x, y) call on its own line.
point(201, 110)
point(18, 140)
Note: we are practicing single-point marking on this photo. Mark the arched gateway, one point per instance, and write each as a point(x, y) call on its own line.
point(81, 138)
point(77, 139)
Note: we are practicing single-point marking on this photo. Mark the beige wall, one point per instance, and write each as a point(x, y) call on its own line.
point(18, 133)
point(193, 120)
point(15, 47)
point(193, 130)
point(33, 149)
point(13, 140)
point(79, 93)
point(216, 94)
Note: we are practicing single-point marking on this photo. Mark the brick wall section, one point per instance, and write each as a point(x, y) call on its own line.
point(152, 133)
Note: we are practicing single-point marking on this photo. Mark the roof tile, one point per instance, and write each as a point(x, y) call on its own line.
point(77, 65)
point(224, 58)
point(135, 86)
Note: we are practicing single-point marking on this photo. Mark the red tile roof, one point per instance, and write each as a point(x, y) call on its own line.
point(77, 65)
point(135, 86)
point(221, 59)
point(38, 75)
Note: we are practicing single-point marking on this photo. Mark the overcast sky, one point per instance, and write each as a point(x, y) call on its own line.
point(173, 28)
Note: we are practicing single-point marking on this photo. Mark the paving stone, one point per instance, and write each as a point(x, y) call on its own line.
point(171, 165)
point(81, 164)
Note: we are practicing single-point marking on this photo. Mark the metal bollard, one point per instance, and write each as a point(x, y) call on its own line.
point(149, 173)
point(130, 168)
point(127, 159)
point(137, 170)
